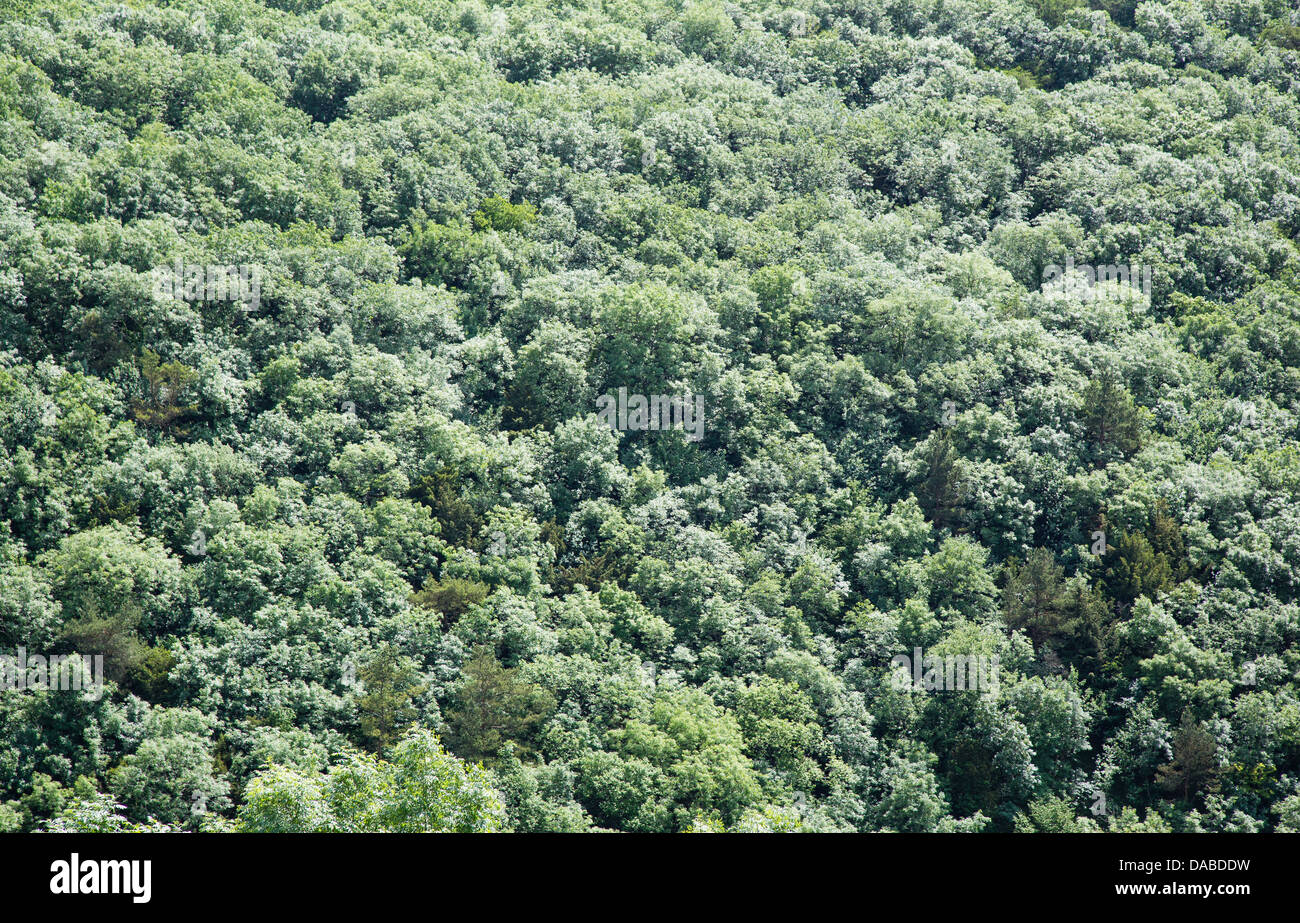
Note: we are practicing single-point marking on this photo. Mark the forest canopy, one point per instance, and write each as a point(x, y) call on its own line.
point(672, 415)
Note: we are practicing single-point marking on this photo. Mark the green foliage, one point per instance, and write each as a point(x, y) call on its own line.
point(451, 597)
point(170, 777)
point(1064, 619)
point(1135, 569)
point(1283, 34)
point(423, 789)
point(99, 814)
point(164, 384)
point(1053, 815)
point(114, 637)
point(1195, 765)
point(458, 521)
point(497, 214)
point(388, 684)
point(1112, 422)
point(492, 707)
point(302, 529)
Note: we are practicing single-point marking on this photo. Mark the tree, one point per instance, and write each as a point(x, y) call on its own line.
point(423, 789)
point(443, 493)
point(496, 213)
point(832, 227)
point(451, 597)
point(171, 777)
point(1195, 765)
point(1166, 536)
point(98, 813)
point(1063, 618)
point(1135, 569)
point(1031, 601)
point(388, 686)
point(1053, 815)
point(492, 707)
point(942, 490)
point(114, 637)
point(1113, 424)
point(551, 381)
point(165, 383)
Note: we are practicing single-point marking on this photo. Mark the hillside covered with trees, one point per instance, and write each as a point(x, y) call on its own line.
point(323, 333)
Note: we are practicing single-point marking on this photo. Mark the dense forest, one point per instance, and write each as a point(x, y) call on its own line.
point(634, 414)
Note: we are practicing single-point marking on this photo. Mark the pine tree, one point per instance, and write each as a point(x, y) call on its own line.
point(1133, 569)
point(1063, 618)
point(1195, 765)
point(494, 707)
point(1083, 623)
point(388, 686)
point(1031, 601)
point(442, 493)
point(114, 635)
point(451, 597)
point(942, 491)
point(1112, 422)
point(1166, 537)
